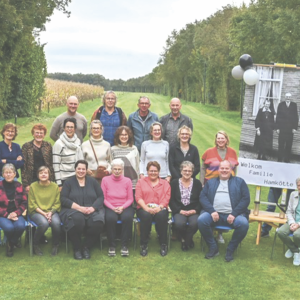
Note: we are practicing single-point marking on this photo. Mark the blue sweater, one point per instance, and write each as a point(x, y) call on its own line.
point(238, 193)
point(11, 156)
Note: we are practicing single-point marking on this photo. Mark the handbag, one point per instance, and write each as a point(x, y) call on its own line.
point(100, 172)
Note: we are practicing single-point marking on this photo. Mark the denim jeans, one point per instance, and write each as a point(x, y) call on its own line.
point(206, 224)
point(13, 229)
point(43, 225)
point(273, 197)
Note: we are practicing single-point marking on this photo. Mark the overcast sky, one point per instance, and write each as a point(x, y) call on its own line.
point(119, 38)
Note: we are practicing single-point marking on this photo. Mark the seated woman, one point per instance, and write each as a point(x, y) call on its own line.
point(13, 202)
point(10, 153)
point(118, 199)
point(292, 226)
point(96, 152)
point(183, 151)
point(82, 210)
point(36, 153)
point(152, 196)
point(185, 205)
point(43, 207)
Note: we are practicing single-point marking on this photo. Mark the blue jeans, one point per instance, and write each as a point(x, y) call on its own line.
point(206, 224)
point(273, 197)
point(13, 229)
point(43, 225)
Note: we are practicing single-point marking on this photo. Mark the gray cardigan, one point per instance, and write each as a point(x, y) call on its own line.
point(292, 206)
point(89, 195)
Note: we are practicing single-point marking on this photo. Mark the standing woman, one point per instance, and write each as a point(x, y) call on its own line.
point(13, 202)
point(125, 150)
point(44, 206)
point(36, 153)
point(10, 153)
point(155, 149)
point(211, 161)
point(118, 199)
point(66, 151)
point(82, 210)
point(96, 151)
point(185, 205)
point(183, 151)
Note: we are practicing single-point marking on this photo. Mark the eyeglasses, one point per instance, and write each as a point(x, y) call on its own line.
point(70, 127)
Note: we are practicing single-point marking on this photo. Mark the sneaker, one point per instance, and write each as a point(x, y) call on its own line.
point(220, 239)
point(112, 251)
point(264, 234)
point(296, 261)
point(37, 250)
point(163, 250)
point(229, 256)
point(212, 253)
point(124, 251)
point(289, 254)
point(144, 250)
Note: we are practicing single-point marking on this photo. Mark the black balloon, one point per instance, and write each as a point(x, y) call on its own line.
point(246, 61)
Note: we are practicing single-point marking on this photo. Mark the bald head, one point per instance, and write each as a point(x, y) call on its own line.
point(175, 106)
point(72, 105)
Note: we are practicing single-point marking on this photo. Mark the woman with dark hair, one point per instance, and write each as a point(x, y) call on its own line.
point(10, 153)
point(36, 153)
point(66, 151)
point(185, 205)
point(13, 202)
point(82, 210)
point(96, 151)
point(183, 151)
point(153, 196)
point(125, 150)
point(43, 207)
point(155, 149)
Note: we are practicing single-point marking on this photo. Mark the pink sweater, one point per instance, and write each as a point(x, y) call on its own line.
point(117, 191)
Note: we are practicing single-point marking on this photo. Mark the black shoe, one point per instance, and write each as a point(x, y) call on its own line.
point(264, 234)
point(163, 250)
point(9, 249)
point(124, 251)
point(229, 256)
point(37, 250)
point(212, 253)
point(86, 253)
point(54, 250)
point(184, 246)
point(144, 250)
point(191, 245)
point(77, 254)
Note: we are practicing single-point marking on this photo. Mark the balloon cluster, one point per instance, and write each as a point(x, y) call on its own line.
point(244, 70)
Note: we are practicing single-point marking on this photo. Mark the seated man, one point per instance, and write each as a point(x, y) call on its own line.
point(225, 202)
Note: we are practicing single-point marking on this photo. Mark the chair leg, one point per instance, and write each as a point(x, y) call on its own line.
point(274, 242)
point(134, 234)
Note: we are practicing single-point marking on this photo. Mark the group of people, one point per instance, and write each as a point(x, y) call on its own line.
point(144, 163)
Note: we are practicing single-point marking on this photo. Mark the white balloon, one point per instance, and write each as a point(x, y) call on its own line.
point(251, 77)
point(237, 72)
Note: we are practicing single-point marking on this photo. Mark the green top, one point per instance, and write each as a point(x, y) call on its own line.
point(297, 213)
point(45, 197)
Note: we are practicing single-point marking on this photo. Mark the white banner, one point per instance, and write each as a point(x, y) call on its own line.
point(268, 173)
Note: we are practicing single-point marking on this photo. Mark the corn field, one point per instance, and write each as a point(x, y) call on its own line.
point(57, 92)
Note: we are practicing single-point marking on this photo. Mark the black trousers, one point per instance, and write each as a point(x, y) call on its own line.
point(186, 232)
point(111, 219)
point(285, 142)
point(92, 230)
point(161, 225)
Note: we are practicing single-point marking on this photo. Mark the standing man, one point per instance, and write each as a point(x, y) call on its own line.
point(225, 202)
point(173, 121)
point(58, 124)
point(286, 125)
point(110, 116)
point(140, 121)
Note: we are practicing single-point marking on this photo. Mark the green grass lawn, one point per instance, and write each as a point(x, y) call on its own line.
point(179, 275)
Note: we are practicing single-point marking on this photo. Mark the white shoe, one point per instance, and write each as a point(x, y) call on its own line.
point(220, 239)
point(296, 261)
point(289, 254)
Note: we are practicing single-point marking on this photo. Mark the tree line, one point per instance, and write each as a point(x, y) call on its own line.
point(197, 60)
point(23, 66)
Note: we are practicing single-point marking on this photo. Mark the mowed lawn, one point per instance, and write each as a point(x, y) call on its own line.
point(179, 275)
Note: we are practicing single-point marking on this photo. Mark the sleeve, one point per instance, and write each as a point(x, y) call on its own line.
point(174, 172)
point(104, 188)
point(167, 159)
point(32, 204)
point(108, 159)
point(174, 205)
point(202, 173)
point(142, 159)
point(191, 124)
point(22, 200)
point(289, 211)
point(56, 162)
point(129, 200)
point(166, 195)
point(196, 162)
point(138, 191)
point(54, 130)
point(98, 204)
point(84, 130)
point(198, 189)
point(137, 161)
point(129, 123)
point(56, 207)
point(204, 200)
point(24, 170)
point(244, 200)
point(295, 117)
point(18, 152)
point(65, 194)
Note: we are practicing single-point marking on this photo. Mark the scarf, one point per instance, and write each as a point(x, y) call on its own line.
point(70, 144)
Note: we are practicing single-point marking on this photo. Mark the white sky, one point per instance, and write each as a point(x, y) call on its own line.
point(119, 39)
